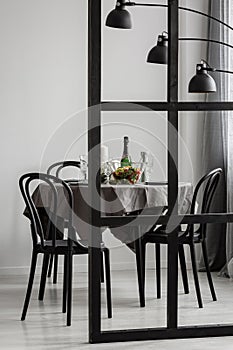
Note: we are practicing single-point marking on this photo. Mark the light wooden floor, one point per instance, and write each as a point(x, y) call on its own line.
point(45, 327)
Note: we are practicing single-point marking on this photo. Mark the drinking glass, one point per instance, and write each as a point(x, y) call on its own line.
point(141, 166)
point(107, 168)
point(84, 166)
point(149, 168)
point(114, 163)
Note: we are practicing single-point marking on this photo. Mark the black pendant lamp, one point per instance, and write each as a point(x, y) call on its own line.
point(119, 17)
point(202, 82)
point(159, 53)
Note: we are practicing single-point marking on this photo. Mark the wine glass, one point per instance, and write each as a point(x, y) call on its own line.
point(107, 168)
point(149, 167)
point(84, 166)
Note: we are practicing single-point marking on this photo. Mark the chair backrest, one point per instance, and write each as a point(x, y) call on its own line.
point(206, 186)
point(59, 166)
point(27, 184)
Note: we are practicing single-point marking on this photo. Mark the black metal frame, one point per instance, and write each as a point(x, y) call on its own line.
point(172, 106)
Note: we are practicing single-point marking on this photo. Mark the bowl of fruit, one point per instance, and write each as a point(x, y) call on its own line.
point(130, 174)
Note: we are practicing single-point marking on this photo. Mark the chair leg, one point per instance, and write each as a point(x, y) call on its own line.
point(140, 268)
point(64, 296)
point(30, 283)
point(102, 269)
point(195, 275)
point(183, 269)
point(158, 271)
point(108, 282)
point(43, 276)
point(143, 248)
point(69, 287)
point(50, 265)
point(55, 265)
point(205, 256)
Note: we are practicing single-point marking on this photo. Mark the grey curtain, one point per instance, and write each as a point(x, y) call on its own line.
point(228, 268)
point(215, 131)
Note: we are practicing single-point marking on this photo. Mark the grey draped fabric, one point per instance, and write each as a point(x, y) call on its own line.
point(215, 130)
point(115, 200)
point(228, 269)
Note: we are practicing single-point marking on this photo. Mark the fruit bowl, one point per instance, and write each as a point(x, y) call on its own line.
point(127, 174)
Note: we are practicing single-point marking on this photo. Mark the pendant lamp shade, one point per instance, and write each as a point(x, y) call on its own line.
point(159, 53)
point(202, 82)
point(119, 18)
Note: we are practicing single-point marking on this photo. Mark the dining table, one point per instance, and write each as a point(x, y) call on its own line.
point(116, 199)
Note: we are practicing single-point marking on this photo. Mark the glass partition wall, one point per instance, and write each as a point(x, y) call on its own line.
point(104, 331)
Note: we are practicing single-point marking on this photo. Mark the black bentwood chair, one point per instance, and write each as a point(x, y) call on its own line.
point(67, 248)
point(56, 170)
point(205, 188)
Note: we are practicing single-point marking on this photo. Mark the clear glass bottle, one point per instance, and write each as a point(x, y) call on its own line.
point(126, 159)
point(144, 162)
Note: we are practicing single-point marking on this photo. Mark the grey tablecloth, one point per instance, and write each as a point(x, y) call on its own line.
point(140, 196)
point(115, 200)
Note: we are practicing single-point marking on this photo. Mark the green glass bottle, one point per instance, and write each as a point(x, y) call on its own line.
point(125, 159)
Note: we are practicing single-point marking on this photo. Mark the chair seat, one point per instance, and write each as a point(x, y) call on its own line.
point(84, 243)
point(79, 247)
point(160, 236)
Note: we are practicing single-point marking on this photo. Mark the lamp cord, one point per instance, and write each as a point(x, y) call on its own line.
point(207, 40)
point(165, 38)
point(129, 3)
point(223, 71)
point(205, 15)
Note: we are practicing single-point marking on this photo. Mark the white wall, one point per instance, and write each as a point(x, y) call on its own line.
point(44, 82)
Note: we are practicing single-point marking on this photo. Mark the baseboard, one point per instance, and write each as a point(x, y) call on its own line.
point(82, 268)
